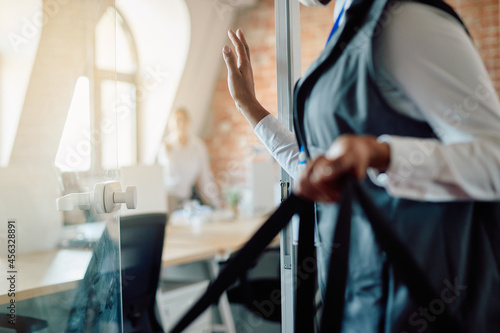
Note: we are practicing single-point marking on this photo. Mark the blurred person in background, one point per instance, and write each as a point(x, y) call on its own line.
point(186, 166)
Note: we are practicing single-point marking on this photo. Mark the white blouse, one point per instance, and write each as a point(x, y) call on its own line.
point(428, 68)
point(185, 167)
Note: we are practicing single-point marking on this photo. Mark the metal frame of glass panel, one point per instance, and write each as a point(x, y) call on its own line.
point(287, 13)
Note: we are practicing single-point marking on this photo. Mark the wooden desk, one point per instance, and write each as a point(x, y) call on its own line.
point(58, 270)
point(207, 240)
point(45, 273)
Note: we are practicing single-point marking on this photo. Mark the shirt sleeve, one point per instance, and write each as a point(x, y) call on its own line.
point(281, 144)
point(428, 54)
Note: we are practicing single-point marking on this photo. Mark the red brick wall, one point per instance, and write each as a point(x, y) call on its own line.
point(482, 18)
point(232, 141)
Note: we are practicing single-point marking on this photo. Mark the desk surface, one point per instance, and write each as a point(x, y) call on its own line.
point(49, 272)
point(214, 238)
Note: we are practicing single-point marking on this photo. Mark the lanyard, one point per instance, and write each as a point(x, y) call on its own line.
point(336, 25)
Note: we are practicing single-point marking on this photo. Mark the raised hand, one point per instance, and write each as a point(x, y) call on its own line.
point(240, 78)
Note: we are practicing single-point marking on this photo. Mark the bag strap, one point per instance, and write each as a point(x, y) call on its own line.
point(243, 259)
point(306, 271)
point(334, 298)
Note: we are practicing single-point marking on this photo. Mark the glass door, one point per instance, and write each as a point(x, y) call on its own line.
point(59, 224)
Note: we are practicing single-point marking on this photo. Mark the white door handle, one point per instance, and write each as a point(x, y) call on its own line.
point(129, 197)
point(105, 198)
point(114, 197)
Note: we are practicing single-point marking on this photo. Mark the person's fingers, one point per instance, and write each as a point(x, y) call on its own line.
point(360, 171)
point(321, 180)
point(306, 190)
point(239, 47)
point(241, 36)
point(307, 185)
point(348, 164)
point(338, 167)
point(230, 60)
point(312, 192)
point(312, 167)
point(324, 178)
point(325, 170)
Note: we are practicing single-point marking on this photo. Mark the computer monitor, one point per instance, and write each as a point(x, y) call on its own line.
point(151, 196)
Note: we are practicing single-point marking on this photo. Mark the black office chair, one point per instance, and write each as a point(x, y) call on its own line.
point(96, 307)
point(142, 238)
point(23, 324)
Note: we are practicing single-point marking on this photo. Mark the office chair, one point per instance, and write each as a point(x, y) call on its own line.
point(141, 238)
point(23, 324)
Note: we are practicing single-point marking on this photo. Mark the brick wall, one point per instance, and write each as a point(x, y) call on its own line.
point(482, 18)
point(232, 142)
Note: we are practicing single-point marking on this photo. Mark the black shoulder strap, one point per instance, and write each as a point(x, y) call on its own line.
point(334, 298)
point(306, 268)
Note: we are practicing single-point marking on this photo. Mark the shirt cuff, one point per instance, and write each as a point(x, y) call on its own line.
point(412, 162)
point(261, 125)
point(280, 142)
point(268, 130)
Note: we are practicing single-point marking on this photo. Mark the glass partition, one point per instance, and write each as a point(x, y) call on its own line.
point(60, 246)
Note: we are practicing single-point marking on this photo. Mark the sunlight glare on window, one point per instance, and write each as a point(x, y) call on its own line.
point(75, 148)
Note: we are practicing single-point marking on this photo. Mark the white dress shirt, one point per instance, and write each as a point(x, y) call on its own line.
point(427, 68)
point(187, 166)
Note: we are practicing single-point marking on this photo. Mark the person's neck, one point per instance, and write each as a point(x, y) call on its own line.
point(183, 139)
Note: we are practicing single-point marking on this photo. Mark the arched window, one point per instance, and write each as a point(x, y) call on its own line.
point(136, 72)
point(116, 66)
point(115, 103)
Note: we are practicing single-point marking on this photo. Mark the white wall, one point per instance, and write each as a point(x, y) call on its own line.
point(210, 21)
point(161, 30)
point(20, 33)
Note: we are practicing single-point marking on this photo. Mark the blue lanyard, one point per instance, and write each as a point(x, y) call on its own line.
point(302, 154)
point(335, 26)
